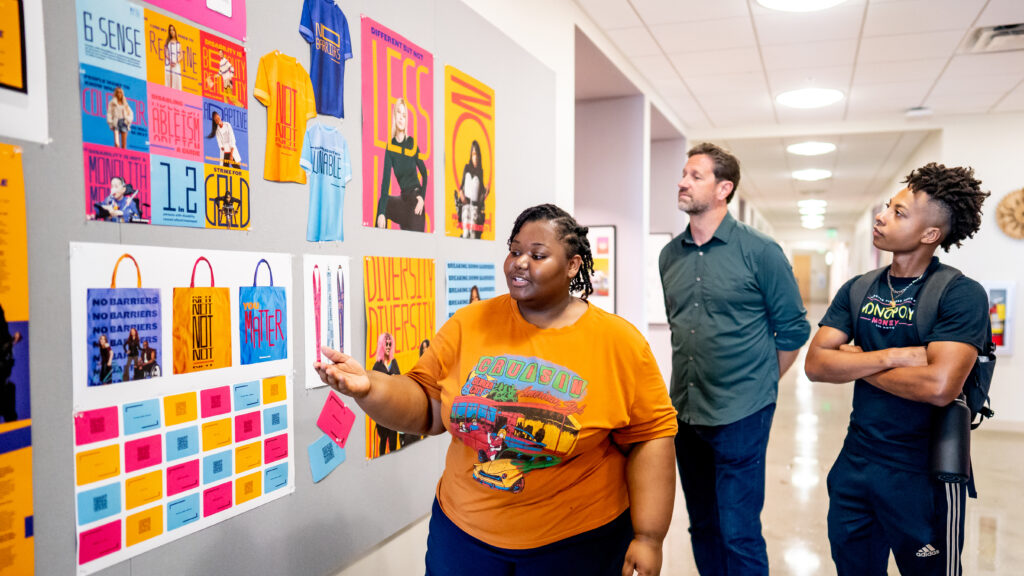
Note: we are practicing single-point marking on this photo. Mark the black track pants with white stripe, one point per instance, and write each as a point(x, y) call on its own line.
point(875, 508)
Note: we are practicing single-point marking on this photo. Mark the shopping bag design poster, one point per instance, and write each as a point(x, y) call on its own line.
point(400, 316)
point(327, 318)
point(469, 156)
point(161, 99)
point(162, 455)
point(16, 535)
point(468, 282)
point(398, 91)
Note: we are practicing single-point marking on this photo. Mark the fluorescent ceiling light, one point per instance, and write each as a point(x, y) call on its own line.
point(799, 5)
point(811, 148)
point(812, 202)
point(812, 174)
point(812, 210)
point(809, 97)
point(812, 224)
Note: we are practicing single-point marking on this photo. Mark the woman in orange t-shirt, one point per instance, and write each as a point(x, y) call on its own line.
point(561, 459)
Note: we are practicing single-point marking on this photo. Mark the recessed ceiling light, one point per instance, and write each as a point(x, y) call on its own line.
point(799, 5)
point(812, 174)
point(809, 97)
point(811, 148)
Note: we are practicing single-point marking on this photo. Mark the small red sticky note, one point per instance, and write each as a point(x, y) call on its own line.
point(336, 419)
point(182, 477)
point(95, 425)
point(275, 448)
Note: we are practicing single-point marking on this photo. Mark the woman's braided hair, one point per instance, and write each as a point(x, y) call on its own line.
point(573, 238)
point(958, 192)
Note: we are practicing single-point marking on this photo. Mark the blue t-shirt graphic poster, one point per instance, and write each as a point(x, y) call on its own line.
point(325, 27)
point(325, 158)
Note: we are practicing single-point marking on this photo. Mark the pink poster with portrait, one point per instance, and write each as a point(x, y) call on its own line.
point(227, 16)
point(398, 118)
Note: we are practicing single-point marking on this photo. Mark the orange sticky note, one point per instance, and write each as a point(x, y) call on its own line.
point(99, 464)
point(275, 389)
point(216, 434)
point(248, 487)
point(248, 457)
point(180, 408)
point(144, 489)
point(144, 525)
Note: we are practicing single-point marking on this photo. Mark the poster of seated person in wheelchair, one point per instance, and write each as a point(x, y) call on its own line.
point(227, 198)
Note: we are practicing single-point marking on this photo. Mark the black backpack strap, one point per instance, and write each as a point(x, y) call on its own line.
point(927, 310)
point(859, 291)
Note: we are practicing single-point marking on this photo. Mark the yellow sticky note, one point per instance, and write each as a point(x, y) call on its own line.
point(144, 525)
point(179, 408)
point(216, 434)
point(248, 487)
point(248, 457)
point(99, 464)
point(275, 389)
point(143, 489)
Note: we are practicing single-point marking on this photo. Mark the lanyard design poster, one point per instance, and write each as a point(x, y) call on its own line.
point(468, 282)
point(469, 156)
point(328, 318)
point(400, 313)
point(162, 451)
point(16, 532)
point(165, 125)
point(398, 117)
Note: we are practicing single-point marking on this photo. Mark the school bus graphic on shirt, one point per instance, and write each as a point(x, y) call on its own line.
point(519, 415)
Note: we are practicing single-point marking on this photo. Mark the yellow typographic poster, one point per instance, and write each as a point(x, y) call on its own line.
point(468, 156)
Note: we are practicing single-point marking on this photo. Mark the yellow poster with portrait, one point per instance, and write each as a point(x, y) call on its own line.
point(172, 54)
point(468, 156)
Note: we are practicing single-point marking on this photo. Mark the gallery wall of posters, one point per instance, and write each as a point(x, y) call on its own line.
point(181, 409)
point(469, 156)
point(468, 282)
point(16, 506)
point(400, 313)
point(164, 119)
point(602, 246)
point(328, 320)
point(398, 119)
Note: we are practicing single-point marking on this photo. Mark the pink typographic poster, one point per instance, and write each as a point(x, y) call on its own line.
point(227, 16)
point(398, 115)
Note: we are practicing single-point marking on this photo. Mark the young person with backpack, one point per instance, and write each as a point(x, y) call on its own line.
point(910, 373)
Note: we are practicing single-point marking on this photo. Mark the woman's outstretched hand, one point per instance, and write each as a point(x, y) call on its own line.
point(346, 375)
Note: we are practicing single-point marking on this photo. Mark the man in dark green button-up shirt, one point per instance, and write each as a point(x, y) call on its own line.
point(737, 324)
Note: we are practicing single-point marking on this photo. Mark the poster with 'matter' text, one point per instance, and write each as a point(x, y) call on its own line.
point(398, 116)
point(469, 156)
point(400, 313)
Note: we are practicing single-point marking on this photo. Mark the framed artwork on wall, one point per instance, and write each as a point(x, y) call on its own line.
point(602, 246)
point(1001, 312)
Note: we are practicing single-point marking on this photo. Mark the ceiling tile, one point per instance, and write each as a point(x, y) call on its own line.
point(718, 62)
point(611, 14)
point(915, 16)
point(655, 68)
point(832, 113)
point(948, 85)
point(668, 11)
point(810, 55)
point(634, 41)
point(892, 97)
point(728, 116)
point(1002, 12)
point(908, 47)
point(839, 23)
point(904, 71)
point(1013, 102)
point(728, 84)
point(964, 103)
point(836, 77)
point(969, 65)
point(705, 36)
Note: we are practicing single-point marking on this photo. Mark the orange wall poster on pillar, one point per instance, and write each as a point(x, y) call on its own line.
point(468, 156)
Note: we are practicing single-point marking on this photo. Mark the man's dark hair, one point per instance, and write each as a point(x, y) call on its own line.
point(727, 166)
point(957, 192)
point(573, 238)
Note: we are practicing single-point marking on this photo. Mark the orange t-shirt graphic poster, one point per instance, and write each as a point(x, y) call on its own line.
point(284, 87)
point(400, 313)
point(469, 156)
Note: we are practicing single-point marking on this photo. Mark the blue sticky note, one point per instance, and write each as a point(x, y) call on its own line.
point(275, 419)
point(275, 477)
point(182, 443)
point(324, 457)
point(182, 511)
point(99, 503)
point(141, 416)
point(247, 395)
point(217, 467)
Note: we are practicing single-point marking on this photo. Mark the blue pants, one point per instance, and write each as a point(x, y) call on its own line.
point(874, 508)
point(722, 472)
point(598, 552)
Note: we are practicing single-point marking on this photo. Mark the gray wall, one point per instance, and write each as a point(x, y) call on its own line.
point(324, 527)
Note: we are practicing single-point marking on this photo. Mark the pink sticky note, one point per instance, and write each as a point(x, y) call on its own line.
point(181, 477)
point(216, 499)
point(95, 425)
point(142, 453)
point(275, 448)
point(215, 401)
point(336, 419)
point(99, 542)
point(247, 426)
